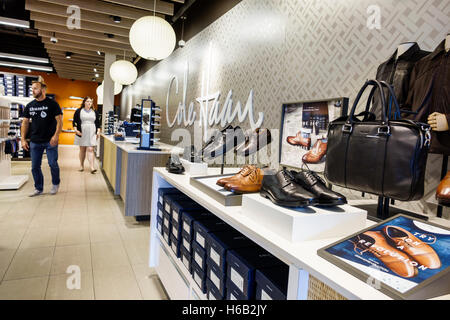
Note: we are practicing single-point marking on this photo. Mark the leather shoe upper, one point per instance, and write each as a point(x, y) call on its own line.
point(173, 165)
point(314, 184)
point(254, 141)
point(226, 141)
point(443, 190)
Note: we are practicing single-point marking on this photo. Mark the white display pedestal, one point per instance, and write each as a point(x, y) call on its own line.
point(304, 224)
point(195, 169)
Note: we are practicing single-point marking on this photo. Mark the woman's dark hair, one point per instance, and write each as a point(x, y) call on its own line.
point(84, 101)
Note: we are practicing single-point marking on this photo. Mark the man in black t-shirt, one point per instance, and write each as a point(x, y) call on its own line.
point(46, 126)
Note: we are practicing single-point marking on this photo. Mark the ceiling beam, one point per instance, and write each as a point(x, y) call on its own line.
point(79, 33)
point(147, 5)
point(76, 56)
point(89, 41)
point(73, 61)
point(114, 9)
point(89, 16)
point(77, 73)
point(86, 66)
point(82, 46)
point(56, 47)
point(84, 25)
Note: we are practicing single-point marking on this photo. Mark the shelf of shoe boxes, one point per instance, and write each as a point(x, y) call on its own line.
point(214, 260)
point(4, 126)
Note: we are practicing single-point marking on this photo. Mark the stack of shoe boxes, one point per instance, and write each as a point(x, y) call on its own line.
point(21, 90)
point(217, 245)
point(241, 267)
point(220, 259)
point(9, 83)
point(202, 228)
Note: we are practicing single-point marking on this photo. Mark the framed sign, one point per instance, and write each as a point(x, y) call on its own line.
point(304, 129)
point(402, 257)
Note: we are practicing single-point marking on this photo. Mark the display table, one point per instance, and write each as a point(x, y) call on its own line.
point(301, 257)
point(129, 171)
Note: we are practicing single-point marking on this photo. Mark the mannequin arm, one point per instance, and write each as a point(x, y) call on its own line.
point(439, 121)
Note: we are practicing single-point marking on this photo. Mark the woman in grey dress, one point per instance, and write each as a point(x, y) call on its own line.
point(86, 123)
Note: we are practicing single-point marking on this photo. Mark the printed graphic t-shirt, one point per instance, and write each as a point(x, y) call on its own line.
point(43, 122)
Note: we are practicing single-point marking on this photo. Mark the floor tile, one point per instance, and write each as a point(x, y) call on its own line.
point(11, 237)
point(28, 263)
point(6, 256)
point(116, 283)
point(24, 289)
point(104, 233)
point(68, 236)
point(67, 256)
point(66, 287)
point(109, 254)
point(39, 238)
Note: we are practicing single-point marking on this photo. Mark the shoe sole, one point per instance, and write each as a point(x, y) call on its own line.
point(298, 204)
point(331, 204)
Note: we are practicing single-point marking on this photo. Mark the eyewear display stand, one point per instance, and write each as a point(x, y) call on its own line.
point(150, 121)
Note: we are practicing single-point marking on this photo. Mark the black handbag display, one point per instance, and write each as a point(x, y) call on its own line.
point(384, 157)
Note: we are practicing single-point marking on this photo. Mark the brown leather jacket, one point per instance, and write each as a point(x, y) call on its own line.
point(397, 73)
point(430, 92)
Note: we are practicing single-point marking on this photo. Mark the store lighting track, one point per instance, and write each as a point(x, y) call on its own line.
point(25, 66)
point(14, 22)
point(75, 98)
point(23, 58)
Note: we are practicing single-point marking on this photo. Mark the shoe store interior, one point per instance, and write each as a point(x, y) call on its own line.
point(224, 150)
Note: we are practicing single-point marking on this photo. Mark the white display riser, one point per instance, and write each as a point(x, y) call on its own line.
point(301, 257)
point(13, 182)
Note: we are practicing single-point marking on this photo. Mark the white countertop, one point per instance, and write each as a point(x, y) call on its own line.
point(132, 147)
point(303, 254)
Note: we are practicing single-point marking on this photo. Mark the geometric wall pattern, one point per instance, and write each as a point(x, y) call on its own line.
point(291, 50)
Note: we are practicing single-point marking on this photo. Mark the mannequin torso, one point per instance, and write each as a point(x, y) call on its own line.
point(403, 47)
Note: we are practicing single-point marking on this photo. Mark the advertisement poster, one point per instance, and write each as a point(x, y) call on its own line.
point(304, 132)
point(401, 254)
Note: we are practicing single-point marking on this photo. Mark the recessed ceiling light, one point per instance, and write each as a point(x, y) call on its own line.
point(68, 55)
point(95, 70)
point(99, 53)
point(28, 70)
point(96, 75)
point(116, 19)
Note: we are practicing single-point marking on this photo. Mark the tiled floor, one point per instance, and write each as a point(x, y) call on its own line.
point(82, 230)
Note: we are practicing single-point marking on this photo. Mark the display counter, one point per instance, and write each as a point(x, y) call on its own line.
point(310, 276)
point(129, 171)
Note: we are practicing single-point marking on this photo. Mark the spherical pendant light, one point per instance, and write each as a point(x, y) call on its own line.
point(153, 38)
point(123, 72)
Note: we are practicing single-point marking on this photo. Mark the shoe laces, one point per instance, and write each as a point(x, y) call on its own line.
point(245, 171)
point(313, 177)
point(288, 178)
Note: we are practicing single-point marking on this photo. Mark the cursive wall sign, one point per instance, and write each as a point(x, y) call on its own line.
point(211, 112)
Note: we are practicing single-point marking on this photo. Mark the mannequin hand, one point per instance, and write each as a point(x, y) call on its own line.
point(438, 122)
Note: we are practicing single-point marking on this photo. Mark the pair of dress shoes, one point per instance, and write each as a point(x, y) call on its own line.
point(173, 165)
point(443, 191)
point(316, 154)
point(299, 140)
point(299, 189)
point(399, 250)
point(247, 180)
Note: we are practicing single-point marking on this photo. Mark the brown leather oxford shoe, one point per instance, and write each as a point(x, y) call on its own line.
point(443, 191)
point(298, 140)
point(411, 245)
point(247, 184)
point(242, 173)
point(316, 153)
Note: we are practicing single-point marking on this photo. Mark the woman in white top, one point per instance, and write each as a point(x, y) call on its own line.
point(86, 123)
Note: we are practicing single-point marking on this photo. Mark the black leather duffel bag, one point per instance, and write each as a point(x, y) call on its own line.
point(384, 157)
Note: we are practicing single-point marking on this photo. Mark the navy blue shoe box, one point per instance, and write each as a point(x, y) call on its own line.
point(188, 219)
point(233, 292)
point(199, 275)
point(218, 243)
point(185, 257)
point(160, 214)
point(211, 291)
point(203, 227)
point(180, 206)
point(169, 198)
point(164, 191)
point(217, 278)
point(241, 267)
point(159, 224)
point(167, 224)
point(271, 283)
point(175, 245)
point(166, 235)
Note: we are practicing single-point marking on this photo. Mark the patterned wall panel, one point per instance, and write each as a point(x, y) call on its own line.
point(291, 50)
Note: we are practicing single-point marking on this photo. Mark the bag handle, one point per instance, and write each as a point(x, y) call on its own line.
point(348, 126)
point(392, 96)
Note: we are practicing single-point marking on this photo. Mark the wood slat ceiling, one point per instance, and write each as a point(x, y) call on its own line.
point(98, 31)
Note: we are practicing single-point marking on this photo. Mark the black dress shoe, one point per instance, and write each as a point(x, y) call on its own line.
point(225, 142)
point(314, 184)
point(173, 165)
point(191, 154)
point(282, 190)
point(254, 141)
point(213, 138)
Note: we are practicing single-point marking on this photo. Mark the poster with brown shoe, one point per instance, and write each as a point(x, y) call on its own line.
point(304, 129)
point(402, 257)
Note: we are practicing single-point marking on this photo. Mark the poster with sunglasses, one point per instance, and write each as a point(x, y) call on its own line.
point(402, 257)
point(304, 128)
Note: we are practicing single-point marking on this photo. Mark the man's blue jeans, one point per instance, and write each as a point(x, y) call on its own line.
point(36, 152)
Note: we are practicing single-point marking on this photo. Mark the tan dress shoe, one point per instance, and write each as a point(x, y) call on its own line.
point(298, 140)
point(415, 248)
point(316, 153)
point(443, 191)
point(242, 173)
point(247, 184)
point(396, 260)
